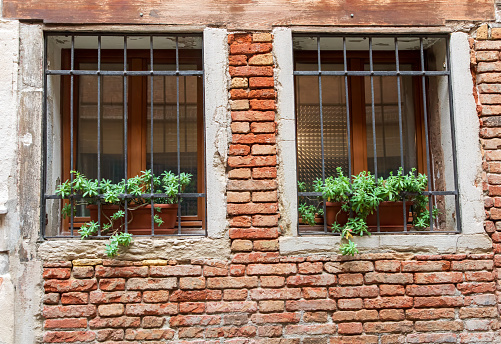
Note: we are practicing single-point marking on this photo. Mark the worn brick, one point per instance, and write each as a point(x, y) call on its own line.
point(74, 298)
point(391, 289)
point(350, 304)
point(65, 323)
point(388, 278)
point(232, 282)
point(271, 306)
point(438, 277)
point(389, 302)
point(312, 280)
point(100, 297)
point(112, 284)
point(272, 281)
point(346, 292)
point(310, 268)
point(238, 197)
point(392, 327)
point(51, 299)
point(195, 295)
point(310, 305)
point(191, 307)
point(56, 273)
point(239, 173)
point(72, 311)
point(241, 245)
point(68, 336)
point(253, 233)
point(62, 286)
point(478, 312)
point(362, 315)
point(117, 271)
point(152, 283)
point(235, 294)
point(275, 294)
point(392, 314)
point(115, 322)
point(83, 271)
point(438, 301)
point(111, 310)
point(272, 269)
point(156, 296)
point(239, 149)
point(239, 83)
point(350, 328)
point(430, 290)
point(231, 307)
point(151, 309)
point(430, 314)
point(310, 329)
point(266, 245)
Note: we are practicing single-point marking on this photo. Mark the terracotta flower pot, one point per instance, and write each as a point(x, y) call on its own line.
point(333, 213)
point(140, 219)
point(391, 218)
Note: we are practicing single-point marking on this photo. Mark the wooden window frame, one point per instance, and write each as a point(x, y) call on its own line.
point(356, 61)
point(137, 59)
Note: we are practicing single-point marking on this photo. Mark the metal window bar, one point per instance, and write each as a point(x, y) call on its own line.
point(100, 73)
point(400, 126)
point(422, 73)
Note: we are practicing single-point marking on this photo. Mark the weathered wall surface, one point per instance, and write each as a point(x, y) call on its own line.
point(251, 280)
point(258, 295)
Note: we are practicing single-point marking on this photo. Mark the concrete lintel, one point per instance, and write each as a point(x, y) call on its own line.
point(409, 243)
point(141, 249)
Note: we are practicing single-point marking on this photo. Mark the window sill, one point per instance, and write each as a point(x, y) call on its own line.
point(180, 248)
point(429, 243)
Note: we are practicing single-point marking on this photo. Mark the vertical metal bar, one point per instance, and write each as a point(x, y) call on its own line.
point(72, 82)
point(151, 136)
point(400, 126)
point(321, 123)
point(425, 114)
point(125, 134)
point(178, 139)
point(99, 77)
point(374, 141)
point(43, 165)
point(453, 138)
point(348, 124)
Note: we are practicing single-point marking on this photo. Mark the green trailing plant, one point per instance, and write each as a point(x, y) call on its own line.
point(88, 191)
point(363, 196)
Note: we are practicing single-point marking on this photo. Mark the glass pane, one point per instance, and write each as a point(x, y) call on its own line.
point(309, 137)
point(165, 128)
point(387, 122)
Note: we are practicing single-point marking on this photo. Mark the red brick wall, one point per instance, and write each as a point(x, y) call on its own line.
point(259, 296)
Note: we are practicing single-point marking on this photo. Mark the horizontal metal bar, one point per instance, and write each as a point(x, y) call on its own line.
point(369, 73)
point(125, 73)
point(121, 34)
point(432, 193)
point(370, 34)
point(135, 235)
point(409, 232)
point(128, 196)
point(309, 194)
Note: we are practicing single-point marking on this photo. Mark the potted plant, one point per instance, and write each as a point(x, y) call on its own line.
point(335, 191)
point(113, 203)
point(366, 195)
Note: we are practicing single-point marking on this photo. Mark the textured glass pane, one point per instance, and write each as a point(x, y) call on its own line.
point(309, 137)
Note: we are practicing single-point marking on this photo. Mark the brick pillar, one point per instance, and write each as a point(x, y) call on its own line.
point(252, 186)
point(486, 70)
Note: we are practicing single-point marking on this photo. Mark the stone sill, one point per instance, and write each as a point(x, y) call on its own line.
point(142, 248)
point(409, 243)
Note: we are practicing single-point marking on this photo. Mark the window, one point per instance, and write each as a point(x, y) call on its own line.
point(376, 103)
point(118, 105)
